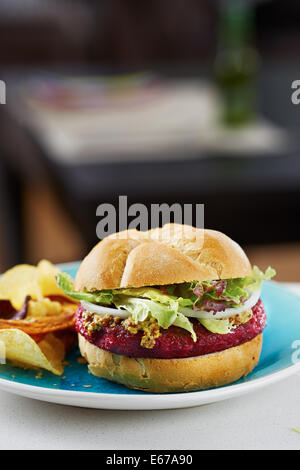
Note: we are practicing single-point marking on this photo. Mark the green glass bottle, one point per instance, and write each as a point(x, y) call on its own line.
point(236, 62)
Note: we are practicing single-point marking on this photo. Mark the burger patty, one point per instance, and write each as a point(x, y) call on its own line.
point(174, 342)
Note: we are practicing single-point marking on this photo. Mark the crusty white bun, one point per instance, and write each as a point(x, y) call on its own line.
point(169, 255)
point(173, 375)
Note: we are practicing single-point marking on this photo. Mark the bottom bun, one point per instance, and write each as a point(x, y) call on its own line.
point(173, 375)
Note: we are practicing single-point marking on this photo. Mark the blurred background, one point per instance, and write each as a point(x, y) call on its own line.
point(174, 101)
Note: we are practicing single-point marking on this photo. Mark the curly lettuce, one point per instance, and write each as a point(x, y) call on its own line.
point(228, 293)
point(225, 325)
point(166, 315)
point(66, 283)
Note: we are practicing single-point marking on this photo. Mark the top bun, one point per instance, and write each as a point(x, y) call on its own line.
point(172, 254)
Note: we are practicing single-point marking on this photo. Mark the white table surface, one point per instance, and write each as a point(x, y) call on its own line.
point(260, 420)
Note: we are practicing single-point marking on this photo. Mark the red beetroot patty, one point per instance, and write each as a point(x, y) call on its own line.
point(173, 342)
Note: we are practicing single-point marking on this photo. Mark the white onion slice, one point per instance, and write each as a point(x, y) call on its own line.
point(228, 312)
point(99, 309)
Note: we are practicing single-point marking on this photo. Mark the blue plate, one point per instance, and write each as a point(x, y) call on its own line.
point(78, 387)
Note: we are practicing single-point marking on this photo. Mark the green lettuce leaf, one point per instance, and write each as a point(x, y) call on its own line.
point(66, 283)
point(222, 327)
point(141, 309)
point(183, 322)
point(237, 290)
point(157, 296)
point(254, 282)
point(149, 293)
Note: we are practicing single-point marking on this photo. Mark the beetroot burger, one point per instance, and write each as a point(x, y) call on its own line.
point(169, 310)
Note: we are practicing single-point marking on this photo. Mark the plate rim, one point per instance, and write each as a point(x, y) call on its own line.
point(200, 396)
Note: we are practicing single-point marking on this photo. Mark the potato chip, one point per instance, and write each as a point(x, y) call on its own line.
point(23, 280)
point(24, 351)
point(46, 273)
point(42, 308)
point(29, 342)
point(43, 325)
point(18, 282)
point(52, 342)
